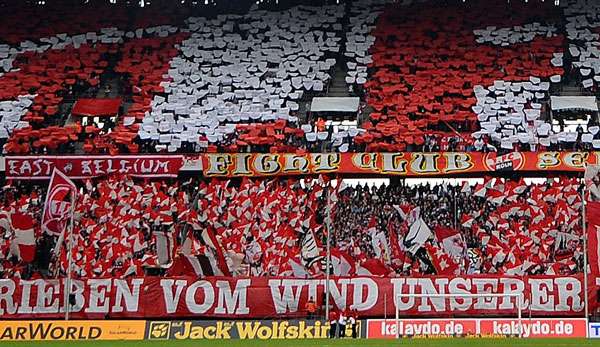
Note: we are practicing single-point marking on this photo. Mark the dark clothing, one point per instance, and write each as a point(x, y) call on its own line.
point(354, 330)
point(342, 328)
point(333, 330)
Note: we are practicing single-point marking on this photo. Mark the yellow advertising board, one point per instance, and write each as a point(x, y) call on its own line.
point(72, 330)
point(250, 329)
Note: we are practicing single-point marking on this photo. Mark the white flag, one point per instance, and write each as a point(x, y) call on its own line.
point(418, 233)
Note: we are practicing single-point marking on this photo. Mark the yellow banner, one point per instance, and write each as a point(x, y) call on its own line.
point(263, 330)
point(71, 330)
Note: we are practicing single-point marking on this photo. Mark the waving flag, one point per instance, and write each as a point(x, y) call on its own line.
point(215, 255)
point(451, 240)
point(165, 245)
point(310, 249)
point(58, 208)
point(442, 262)
point(593, 217)
point(372, 267)
point(418, 232)
point(202, 265)
point(465, 188)
point(296, 269)
point(342, 263)
point(24, 237)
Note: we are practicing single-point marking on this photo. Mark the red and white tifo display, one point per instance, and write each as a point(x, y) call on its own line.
point(202, 187)
point(457, 77)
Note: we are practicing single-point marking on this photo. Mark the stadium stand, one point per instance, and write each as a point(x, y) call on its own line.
point(251, 75)
point(240, 82)
point(467, 80)
point(429, 62)
point(276, 227)
point(199, 138)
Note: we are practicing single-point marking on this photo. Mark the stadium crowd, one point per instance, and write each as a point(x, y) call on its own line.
point(223, 80)
point(278, 227)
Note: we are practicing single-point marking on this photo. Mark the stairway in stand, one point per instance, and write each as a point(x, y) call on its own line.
point(338, 86)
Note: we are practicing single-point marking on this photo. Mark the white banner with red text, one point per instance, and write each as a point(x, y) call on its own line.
point(493, 327)
point(258, 298)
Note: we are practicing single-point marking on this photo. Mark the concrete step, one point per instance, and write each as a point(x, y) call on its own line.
point(338, 86)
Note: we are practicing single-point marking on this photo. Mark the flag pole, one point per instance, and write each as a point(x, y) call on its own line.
point(328, 260)
point(585, 256)
point(70, 258)
point(455, 208)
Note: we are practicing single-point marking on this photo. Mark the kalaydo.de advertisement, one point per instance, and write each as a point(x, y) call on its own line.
point(289, 329)
point(535, 328)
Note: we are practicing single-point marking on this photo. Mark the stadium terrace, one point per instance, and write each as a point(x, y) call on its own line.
point(299, 169)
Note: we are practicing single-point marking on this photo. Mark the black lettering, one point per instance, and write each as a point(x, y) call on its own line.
point(71, 333)
point(20, 334)
point(57, 333)
point(507, 165)
point(39, 329)
point(7, 334)
point(94, 333)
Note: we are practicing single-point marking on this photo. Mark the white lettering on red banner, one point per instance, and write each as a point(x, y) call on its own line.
point(81, 167)
point(262, 298)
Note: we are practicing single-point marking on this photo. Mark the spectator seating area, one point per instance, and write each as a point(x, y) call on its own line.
point(48, 70)
point(476, 77)
point(125, 227)
point(582, 32)
point(238, 78)
point(441, 70)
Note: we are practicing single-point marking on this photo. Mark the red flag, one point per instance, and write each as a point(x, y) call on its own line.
point(593, 219)
point(293, 268)
point(372, 267)
point(372, 227)
point(215, 253)
point(24, 238)
point(343, 264)
point(197, 264)
point(495, 196)
point(443, 264)
point(480, 190)
point(466, 220)
point(451, 240)
point(58, 207)
point(395, 248)
point(209, 239)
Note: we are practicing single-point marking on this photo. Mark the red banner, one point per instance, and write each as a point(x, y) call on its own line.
point(390, 164)
point(258, 298)
point(81, 167)
point(96, 107)
point(415, 164)
point(593, 225)
point(533, 328)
